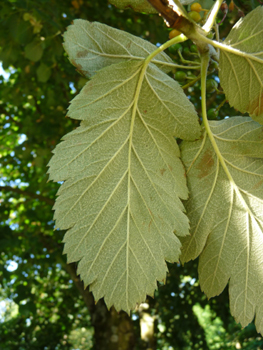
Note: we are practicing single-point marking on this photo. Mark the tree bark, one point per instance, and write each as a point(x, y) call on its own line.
point(112, 330)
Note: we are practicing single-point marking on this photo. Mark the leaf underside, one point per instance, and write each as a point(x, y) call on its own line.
point(92, 46)
point(123, 181)
point(242, 77)
point(225, 212)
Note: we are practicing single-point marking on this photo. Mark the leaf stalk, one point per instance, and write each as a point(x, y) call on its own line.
point(229, 49)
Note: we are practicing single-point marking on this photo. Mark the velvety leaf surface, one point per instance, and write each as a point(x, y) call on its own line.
point(92, 46)
point(226, 216)
point(242, 77)
point(124, 180)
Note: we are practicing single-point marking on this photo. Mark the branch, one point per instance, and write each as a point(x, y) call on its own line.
point(176, 17)
point(27, 194)
point(15, 121)
point(172, 18)
point(87, 296)
point(37, 106)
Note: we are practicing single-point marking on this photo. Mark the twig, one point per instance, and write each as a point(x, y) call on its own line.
point(86, 295)
point(191, 82)
point(27, 194)
point(172, 18)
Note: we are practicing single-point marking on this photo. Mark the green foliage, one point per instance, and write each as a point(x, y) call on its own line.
point(123, 179)
point(34, 50)
point(136, 5)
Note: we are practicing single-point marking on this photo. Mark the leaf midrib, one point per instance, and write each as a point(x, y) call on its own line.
point(226, 170)
point(134, 111)
point(116, 87)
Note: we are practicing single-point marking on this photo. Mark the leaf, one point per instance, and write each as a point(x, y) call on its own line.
point(242, 77)
point(8, 55)
point(43, 73)
point(226, 216)
point(34, 50)
point(136, 5)
point(27, 309)
point(92, 46)
point(124, 180)
point(20, 31)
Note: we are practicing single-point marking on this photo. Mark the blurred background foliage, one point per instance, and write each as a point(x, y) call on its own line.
point(42, 302)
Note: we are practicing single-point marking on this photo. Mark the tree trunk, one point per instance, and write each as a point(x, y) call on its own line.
point(112, 330)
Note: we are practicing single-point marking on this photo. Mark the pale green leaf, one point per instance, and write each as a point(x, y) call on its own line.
point(225, 209)
point(92, 46)
point(241, 76)
point(124, 180)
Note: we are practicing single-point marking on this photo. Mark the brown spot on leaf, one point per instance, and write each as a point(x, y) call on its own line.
point(206, 163)
point(79, 67)
point(149, 226)
point(88, 87)
point(75, 63)
point(162, 171)
point(81, 54)
point(169, 166)
point(257, 185)
point(255, 107)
